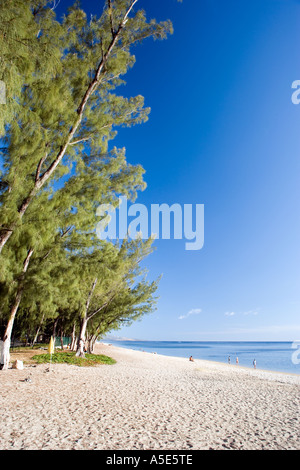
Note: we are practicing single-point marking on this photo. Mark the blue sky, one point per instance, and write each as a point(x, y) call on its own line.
point(222, 132)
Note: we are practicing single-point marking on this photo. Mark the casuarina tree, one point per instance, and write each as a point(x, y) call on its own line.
point(62, 110)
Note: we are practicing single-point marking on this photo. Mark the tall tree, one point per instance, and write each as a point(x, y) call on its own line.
point(129, 305)
point(58, 112)
point(61, 113)
point(65, 225)
point(106, 277)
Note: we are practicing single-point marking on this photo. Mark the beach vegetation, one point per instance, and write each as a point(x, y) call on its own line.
point(57, 165)
point(69, 357)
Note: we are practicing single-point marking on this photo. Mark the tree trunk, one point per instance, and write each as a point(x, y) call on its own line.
point(89, 344)
point(62, 339)
point(38, 330)
point(54, 330)
point(81, 340)
point(73, 340)
point(92, 343)
point(5, 344)
point(83, 326)
point(4, 237)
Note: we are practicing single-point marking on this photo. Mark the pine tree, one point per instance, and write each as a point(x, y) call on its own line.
point(65, 225)
point(72, 105)
point(106, 279)
point(57, 167)
point(62, 110)
point(29, 51)
point(128, 306)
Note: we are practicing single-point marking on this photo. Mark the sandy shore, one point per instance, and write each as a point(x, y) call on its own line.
point(148, 401)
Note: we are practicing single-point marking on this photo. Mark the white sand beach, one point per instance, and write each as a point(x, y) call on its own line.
point(148, 401)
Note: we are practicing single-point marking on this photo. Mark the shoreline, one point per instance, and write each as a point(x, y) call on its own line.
point(294, 378)
point(148, 401)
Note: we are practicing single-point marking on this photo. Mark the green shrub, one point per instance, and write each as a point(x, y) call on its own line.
point(70, 358)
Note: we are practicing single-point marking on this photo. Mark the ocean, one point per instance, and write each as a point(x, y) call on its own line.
point(273, 356)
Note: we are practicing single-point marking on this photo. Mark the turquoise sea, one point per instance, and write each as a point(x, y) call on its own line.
point(275, 356)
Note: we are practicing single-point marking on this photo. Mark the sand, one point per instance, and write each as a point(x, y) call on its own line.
point(148, 401)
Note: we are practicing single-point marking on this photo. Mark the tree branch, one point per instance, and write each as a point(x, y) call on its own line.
point(84, 139)
point(39, 167)
point(90, 296)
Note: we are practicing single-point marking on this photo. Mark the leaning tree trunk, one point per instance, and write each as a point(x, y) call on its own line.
point(5, 344)
point(81, 340)
point(84, 322)
point(38, 331)
point(73, 340)
point(92, 343)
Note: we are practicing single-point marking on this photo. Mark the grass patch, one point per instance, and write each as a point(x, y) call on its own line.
point(21, 348)
point(70, 358)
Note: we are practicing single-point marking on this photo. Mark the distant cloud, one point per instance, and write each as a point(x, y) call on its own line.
point(229, 314)
point(248, 312)
point(252, 312)
point(194, 311)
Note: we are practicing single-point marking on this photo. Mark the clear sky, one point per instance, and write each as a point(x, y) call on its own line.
point(223, 132)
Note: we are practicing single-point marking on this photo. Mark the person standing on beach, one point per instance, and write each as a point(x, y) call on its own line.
point(228, 359)
point(254, 363)
point(237, 360)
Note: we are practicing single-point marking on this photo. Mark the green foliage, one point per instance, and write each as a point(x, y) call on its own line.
point(62, 111)
point(70, 358)
point(29, 51)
